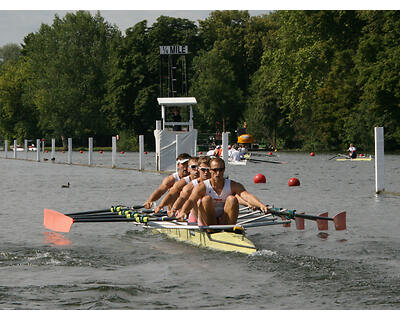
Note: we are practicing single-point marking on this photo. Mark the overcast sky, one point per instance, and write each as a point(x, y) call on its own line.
point(25, 16)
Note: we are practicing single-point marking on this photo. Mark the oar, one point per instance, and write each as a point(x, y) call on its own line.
point(111, 209)
point(267, 161)
point(58, 221)
point(334, 157)
point(322, 220)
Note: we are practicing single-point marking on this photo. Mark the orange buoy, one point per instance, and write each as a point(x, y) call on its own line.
point(62, 151)
point(200, 152)
point(81, 151)
point(145, 152)
point(293, 182)
point(270, 153)
point(122, 152)
point(259, 178)
point(312, 154)
point(47, 151)
point(101, 151)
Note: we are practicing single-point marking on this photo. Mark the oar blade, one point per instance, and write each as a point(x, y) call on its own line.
point(285, 225)
point(57, 221)
point(299, 221)
point(322, 224)
point(340, 221)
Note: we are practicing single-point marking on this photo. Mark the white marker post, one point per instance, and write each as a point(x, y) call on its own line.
point(141, 151)
point(26, 148)
point(178, 144)
point(69, 161)
point(15, 149)
point(114, 152)
point(379, 160)
point(5, 148)
point(225, 140)
point(53, 148)
point(38, 150)
point(90, 156)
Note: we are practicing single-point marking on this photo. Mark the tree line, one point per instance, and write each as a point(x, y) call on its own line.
point(310, 80)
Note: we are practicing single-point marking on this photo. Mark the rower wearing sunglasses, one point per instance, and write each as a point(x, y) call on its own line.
point(175, 190)
point(219, 204)
point(204, 170)
point(182, 162)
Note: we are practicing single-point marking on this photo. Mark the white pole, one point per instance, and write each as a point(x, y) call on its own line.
point(141, 151)
point(114, 152)
point(5, 148)
point(69, 151)
point(225, 140)
point(43, 146)
point(26, 148)
point(379, 160)
point(15, 149)
point(38, 150)
point(53, 148)
point(90, 151)
point(177, 146)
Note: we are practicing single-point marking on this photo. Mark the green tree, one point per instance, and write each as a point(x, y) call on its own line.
point(18, 115)
point(216, 89)
point(70, 61)
point(377, 62)
point(10, 51)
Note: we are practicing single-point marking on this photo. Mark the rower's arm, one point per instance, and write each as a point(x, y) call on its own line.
point(183, 196)
point(198, 192)
point(248, 197)
point(157, 194)
point(172, 195)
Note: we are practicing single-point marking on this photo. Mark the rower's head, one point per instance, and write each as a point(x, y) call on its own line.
point(182, 162)
point(194, 167)
point(204, 167)
point(217, 168)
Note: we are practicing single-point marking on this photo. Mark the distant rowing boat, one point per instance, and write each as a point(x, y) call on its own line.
point(237, 163)
point(355, 159)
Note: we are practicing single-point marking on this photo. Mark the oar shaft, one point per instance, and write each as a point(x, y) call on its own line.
point(88, 212)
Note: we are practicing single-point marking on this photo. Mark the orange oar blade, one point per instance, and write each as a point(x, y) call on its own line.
point(285, 225)
point(322, 224)
point(57, 221)
point(299, 222)
point(340, 221)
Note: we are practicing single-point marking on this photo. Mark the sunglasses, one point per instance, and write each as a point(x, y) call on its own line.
point(193, 166)
point(217, 169)
point(204, 169)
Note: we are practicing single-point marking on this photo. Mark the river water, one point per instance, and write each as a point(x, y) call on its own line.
point(120, 266)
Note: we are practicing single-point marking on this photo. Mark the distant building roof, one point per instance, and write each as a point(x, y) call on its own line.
point(181, 101)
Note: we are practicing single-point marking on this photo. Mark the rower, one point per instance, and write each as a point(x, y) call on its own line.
point(352, 151)
point(182, 171)
point(204, 170)
point(234, 153)
point(218, 203)
point(174, 191)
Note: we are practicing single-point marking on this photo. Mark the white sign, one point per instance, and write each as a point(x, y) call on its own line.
point(174, 50)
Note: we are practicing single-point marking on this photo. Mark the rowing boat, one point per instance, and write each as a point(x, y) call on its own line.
point(355, 159)
point(228, 238)
point(221, 240)
point(237, 163)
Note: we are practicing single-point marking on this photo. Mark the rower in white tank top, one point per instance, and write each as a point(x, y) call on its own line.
point(218, 199)
point(176, 177)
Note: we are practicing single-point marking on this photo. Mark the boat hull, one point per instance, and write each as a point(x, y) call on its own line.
point(221, 241)
point(356, 159)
